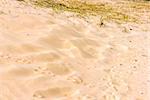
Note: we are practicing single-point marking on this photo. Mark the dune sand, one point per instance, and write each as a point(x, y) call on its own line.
point(48, 56)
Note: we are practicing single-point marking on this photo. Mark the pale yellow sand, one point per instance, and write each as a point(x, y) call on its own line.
point(51, 57)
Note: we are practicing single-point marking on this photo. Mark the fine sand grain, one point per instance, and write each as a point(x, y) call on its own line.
point(50, 56)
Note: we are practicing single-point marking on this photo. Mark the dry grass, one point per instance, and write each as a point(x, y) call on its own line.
point(106, 11)
point(138, 9)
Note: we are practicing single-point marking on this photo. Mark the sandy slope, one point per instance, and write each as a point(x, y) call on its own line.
point(51, 57)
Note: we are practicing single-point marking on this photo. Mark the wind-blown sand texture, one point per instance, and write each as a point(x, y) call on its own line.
point(50, 56)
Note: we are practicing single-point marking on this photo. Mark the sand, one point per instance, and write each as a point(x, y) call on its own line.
point(48, 56)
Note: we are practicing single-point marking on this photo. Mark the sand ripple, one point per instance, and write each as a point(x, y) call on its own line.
point(44, 57)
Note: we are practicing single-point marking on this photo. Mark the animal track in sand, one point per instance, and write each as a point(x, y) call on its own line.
point(75, 78)
point(55, 69)
point(43, 71)
point(8, 58)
